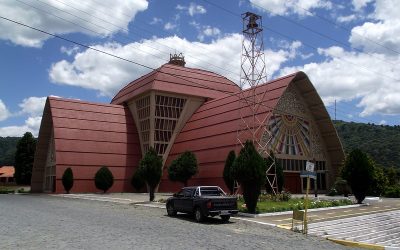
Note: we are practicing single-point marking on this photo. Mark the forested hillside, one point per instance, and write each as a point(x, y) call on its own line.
point(381, 142)
point(7, 150)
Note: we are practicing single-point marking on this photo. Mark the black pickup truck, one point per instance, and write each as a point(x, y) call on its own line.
point(202, 201)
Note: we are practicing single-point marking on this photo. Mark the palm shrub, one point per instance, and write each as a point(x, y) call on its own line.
point(68, 180)
point(249, 170)
point(150, 169)
point(137, 180)
point(358, 171)
point(183, 168)
point(104, 179)
point(227, 174)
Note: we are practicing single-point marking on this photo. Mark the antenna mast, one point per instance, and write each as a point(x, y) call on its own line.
point(253, 113)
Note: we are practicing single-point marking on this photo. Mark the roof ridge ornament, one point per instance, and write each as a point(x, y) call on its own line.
point(177, 59)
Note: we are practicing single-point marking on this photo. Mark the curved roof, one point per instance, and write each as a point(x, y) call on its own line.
point(180, 80)
point(211, 132)
point(87, 136)
point(7, 171)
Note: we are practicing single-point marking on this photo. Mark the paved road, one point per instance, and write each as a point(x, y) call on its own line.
point(47, 222)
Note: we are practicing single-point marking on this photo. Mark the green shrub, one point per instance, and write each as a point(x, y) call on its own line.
point(68, 179)
point(249, 170)
point(104, 179)
point(342, 187)
point(183, 168)
point(24, 157)
point(332, 192)
point(393, 191)
point(150, 169)
point(358, 171)
point(227, 174)
point(137, 180)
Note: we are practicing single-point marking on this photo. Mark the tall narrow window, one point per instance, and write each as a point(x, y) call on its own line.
point(167, 113)
point(143, 112)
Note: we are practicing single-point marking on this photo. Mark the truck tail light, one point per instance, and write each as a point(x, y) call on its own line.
point(209, 204)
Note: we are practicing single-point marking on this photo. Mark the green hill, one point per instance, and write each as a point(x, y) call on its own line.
point(7, 150)
point(381, 142)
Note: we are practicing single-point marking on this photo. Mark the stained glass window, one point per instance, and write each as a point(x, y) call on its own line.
point(290, 134)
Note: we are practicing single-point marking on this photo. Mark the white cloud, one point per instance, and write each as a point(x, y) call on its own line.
point(123, 12)
point(382, 122)
point(69, 51)
point(4, 113)
point(346, 19)
point(156, 20)
point(32, 124)
point(192, 9)
point(196, 9)
point(359, 4)
point(33, 105)
point(169, 26)
point(385, 30)
point(205, 31)
point(346, 76)
point(299, 7)
point(92, 70)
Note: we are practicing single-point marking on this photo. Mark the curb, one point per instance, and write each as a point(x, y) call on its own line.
point(358, 244)
point(290, 212)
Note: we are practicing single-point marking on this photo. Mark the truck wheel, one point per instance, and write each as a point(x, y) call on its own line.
point(225, 218)
point(198, 215)
point(170, 209)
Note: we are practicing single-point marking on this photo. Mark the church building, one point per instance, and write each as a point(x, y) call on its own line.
point(174, 109)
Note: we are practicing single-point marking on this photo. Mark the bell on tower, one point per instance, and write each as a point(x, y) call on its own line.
point(252, 23)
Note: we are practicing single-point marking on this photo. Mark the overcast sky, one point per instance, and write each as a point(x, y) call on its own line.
point(349, 49)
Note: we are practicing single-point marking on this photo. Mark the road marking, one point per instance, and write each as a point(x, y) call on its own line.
point(331, 213)
point(283, 219)
point(285, 226)
point(347, 211)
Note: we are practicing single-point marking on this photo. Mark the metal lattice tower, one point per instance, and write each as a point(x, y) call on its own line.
point(254, 114)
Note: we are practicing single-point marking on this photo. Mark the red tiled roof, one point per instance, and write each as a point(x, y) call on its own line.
point(180, 80)
point(7, 171)
point(90, 135)
point(211, 132)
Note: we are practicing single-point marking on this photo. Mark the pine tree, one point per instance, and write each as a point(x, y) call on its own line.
point(227, 174)
point(249, 170)
point(68, 179)
point(24, 158)
point(358, 171)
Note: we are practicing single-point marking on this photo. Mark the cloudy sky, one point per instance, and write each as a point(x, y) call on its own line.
point(349, 49)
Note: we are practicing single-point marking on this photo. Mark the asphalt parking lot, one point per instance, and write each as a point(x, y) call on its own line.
point(51, 222)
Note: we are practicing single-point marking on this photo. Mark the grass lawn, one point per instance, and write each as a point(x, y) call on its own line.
point(269, 206)
point(13, 189)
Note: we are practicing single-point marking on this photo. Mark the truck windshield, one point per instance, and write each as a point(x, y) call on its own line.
point(211, 191)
